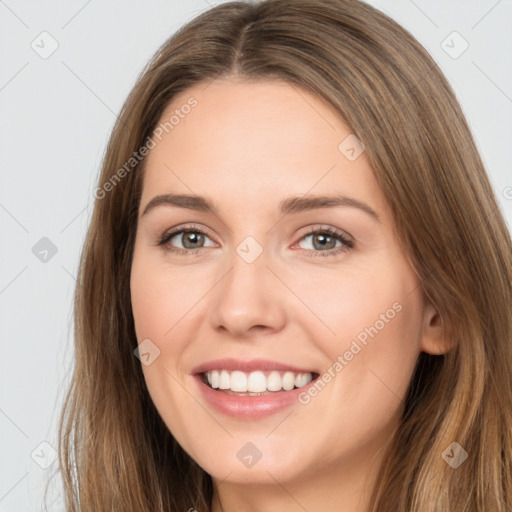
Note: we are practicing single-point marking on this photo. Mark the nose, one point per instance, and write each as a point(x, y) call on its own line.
point(249, 298)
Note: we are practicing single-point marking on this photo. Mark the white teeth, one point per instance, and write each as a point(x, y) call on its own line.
point(302, 379)
point(258, 381)
point(274, 382)
point(288, 381)
point(238, 382)
point(213, 379)
point(224, 380)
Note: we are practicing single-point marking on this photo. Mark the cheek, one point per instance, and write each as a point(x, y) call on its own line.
point(160, 297)
point(157, 307)
point(374, 316)
point(377, 348)
point(377, 300)
point(164, 304)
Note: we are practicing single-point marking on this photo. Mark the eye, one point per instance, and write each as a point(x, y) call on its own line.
point(192, 240)
point(325, 239)
point(190, 237)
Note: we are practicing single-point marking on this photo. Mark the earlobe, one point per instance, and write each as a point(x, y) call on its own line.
point(433, 340)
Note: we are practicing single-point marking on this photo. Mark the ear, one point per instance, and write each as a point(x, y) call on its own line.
point(433, 339)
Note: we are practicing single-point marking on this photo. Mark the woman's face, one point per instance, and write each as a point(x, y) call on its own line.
point(265, 297)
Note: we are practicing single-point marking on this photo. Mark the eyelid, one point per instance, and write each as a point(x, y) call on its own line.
point(172, 232)
point(307, 230)
point(347, 241)
point(314, 228)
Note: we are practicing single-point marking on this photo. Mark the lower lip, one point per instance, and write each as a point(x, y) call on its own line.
point(249, 407)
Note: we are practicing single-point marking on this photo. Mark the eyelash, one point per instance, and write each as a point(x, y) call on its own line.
point(347, 243)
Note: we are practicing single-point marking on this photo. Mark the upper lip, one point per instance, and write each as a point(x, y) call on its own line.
point(248, 366)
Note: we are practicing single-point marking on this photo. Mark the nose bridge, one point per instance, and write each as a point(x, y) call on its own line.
point(249, 294)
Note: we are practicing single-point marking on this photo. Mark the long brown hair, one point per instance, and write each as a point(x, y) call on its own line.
point(116, 454)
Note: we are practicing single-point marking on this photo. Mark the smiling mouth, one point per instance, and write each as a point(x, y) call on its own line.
point(256, 383)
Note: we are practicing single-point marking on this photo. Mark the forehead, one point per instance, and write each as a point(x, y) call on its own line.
point(254, 143)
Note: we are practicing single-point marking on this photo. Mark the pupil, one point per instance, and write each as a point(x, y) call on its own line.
point(324, 241)
point(192, 235)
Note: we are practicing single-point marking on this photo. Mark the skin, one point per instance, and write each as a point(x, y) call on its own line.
point(247, 146)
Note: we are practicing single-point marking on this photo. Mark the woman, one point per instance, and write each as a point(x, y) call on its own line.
point(243, 372)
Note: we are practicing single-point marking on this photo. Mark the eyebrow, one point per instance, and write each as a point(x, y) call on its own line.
point(290, 205)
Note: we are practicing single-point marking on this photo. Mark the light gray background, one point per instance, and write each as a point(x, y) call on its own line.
point(56, 116)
